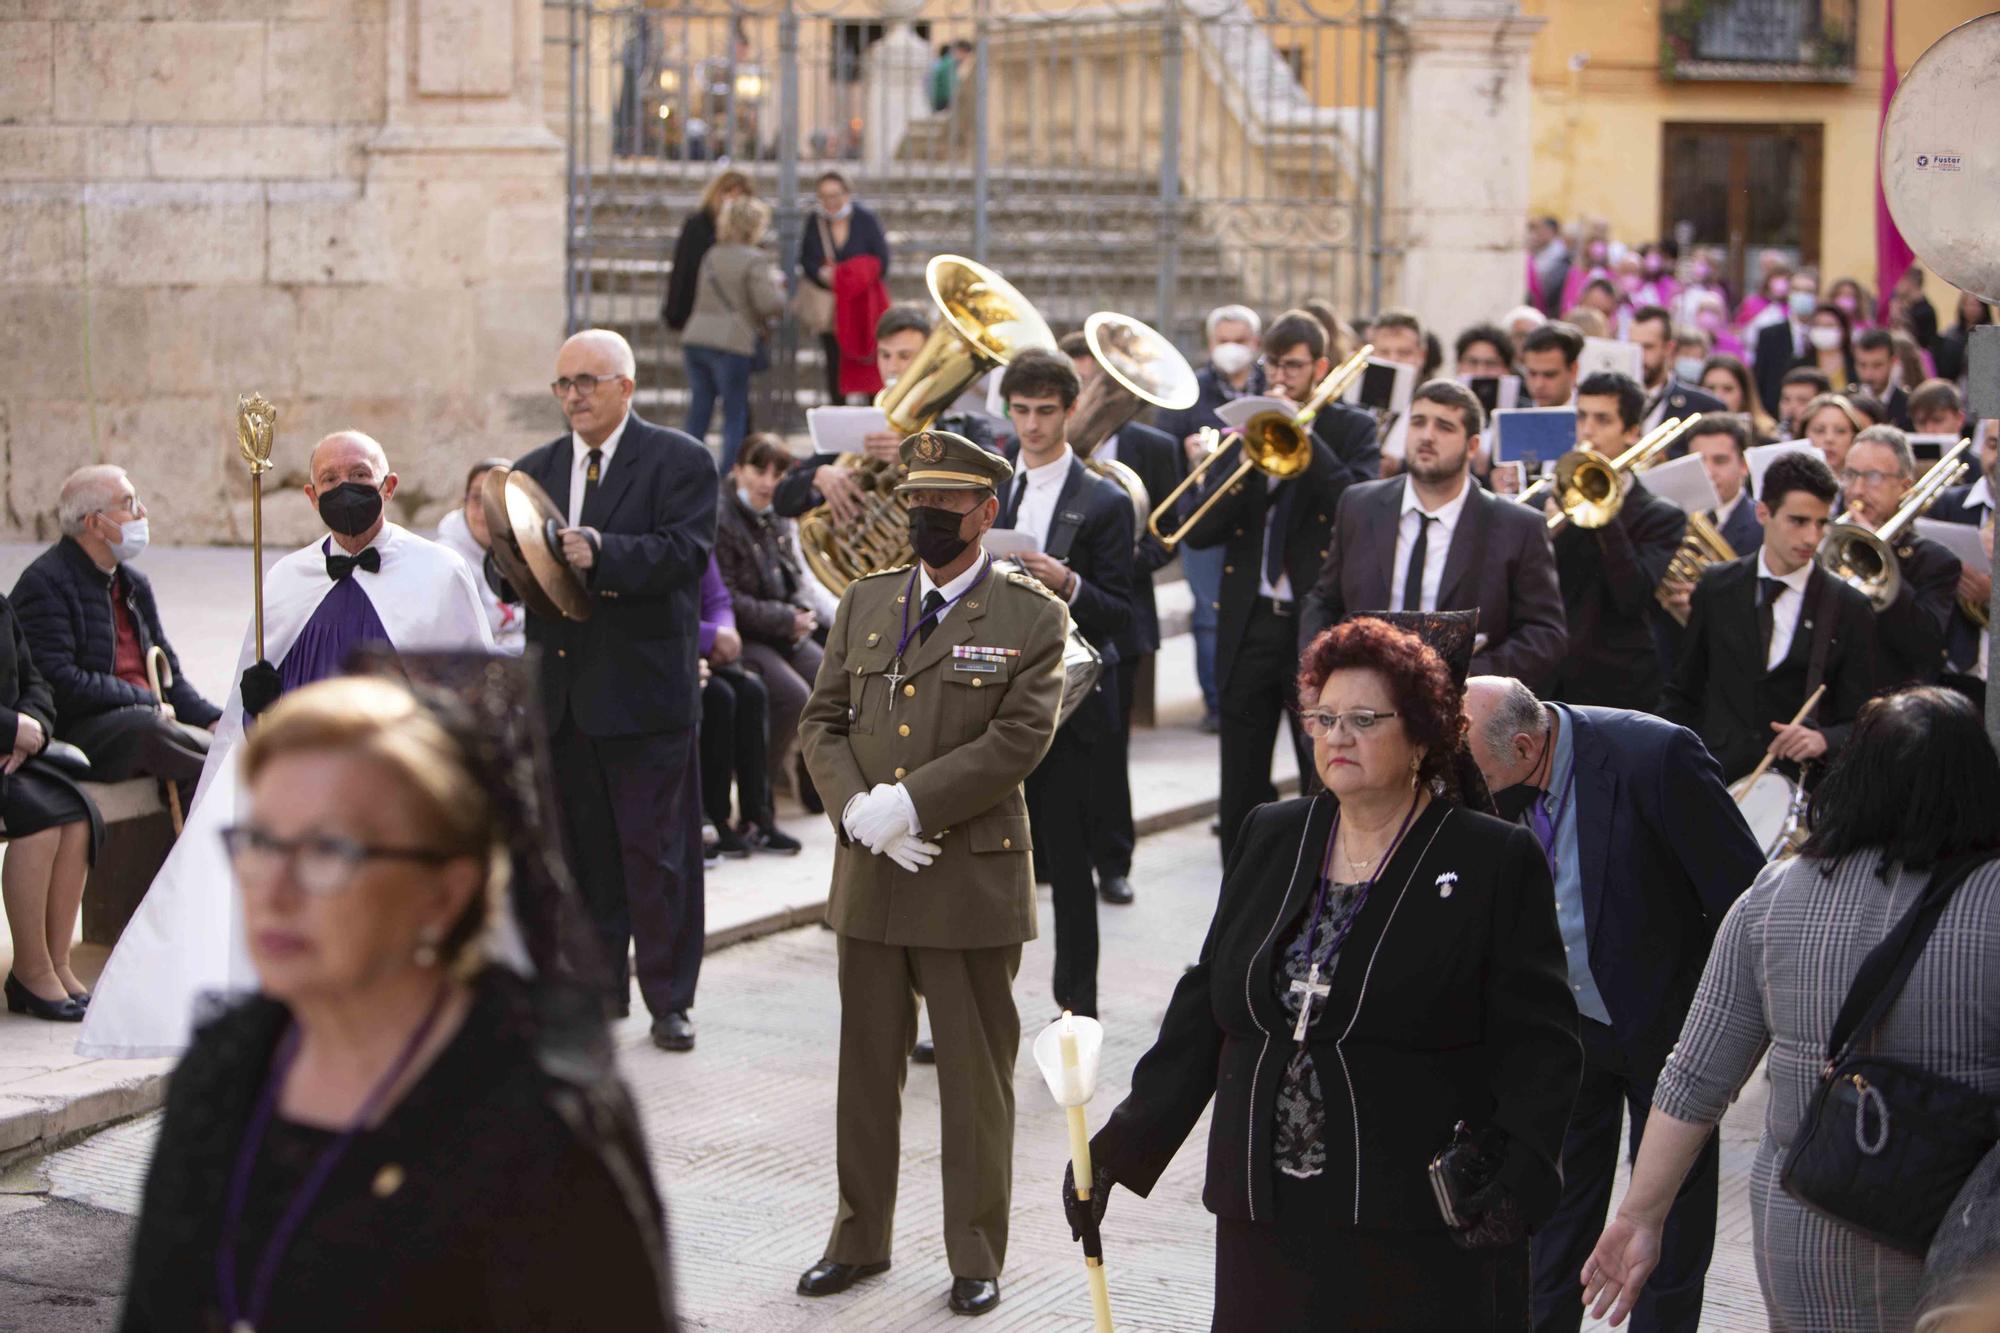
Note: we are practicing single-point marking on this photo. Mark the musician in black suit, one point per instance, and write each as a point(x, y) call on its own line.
point(1910, 632)
point(1721, 441)
point(621, 690)
point(1875, 371)
point(1767, 630)
point(1609, 574)
point(1084, 526)
point(1235, 339)
point(1781, 345)
point(1648, 852)
point(1652, 331)
point(1972, 504)
point(1275, 536)
point(1160, 463)
point(1432, 540)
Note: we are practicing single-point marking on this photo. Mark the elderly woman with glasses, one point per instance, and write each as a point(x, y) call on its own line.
point(1383, 979)
point(385, 1136)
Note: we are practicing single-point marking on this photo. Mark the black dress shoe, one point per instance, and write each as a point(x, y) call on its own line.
point(1115, 889)
point(675, 1032)
point(923, 1053)
point(974, 1295)
point(81, 998)
point(21, 1000)
point(829, 1277)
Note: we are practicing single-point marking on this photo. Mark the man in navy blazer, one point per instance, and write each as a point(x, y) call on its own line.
point(621, 689)
point(1648, 852)
point(1083, 526)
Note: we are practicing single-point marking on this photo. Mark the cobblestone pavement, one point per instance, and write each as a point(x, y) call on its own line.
point(742, 1134)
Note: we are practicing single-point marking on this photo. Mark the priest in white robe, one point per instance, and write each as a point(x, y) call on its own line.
point(366, 581)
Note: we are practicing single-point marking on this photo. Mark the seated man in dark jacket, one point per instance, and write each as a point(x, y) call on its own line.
point(92, 625)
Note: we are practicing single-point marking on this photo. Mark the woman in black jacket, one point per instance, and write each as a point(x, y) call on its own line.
point(49, 825)
point(697, 238)
point(1384, 965)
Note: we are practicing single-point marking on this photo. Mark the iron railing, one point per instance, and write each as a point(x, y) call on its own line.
point(1159, 158)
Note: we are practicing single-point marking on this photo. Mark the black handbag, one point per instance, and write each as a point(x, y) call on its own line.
point(1465, 1177)
point(1886, 1145)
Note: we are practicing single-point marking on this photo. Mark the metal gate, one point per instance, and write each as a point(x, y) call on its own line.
point(1158, 158)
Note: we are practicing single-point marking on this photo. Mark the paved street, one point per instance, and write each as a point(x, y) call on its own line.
point(742, 1143)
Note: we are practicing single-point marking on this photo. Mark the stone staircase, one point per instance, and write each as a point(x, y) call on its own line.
point(1073, 242)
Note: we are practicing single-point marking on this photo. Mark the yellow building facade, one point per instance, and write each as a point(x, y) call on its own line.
point(1635, 122)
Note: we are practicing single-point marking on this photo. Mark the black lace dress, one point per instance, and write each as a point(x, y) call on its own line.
point(498, 1194)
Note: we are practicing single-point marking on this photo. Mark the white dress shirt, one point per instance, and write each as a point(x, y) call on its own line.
point(1727, 509)
point(1107, 448)
point(1436, 547)
point(579, 463)
point(1785, 611)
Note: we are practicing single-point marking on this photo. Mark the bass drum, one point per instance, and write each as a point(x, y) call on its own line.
point(1774, 807)
point(1082, 664)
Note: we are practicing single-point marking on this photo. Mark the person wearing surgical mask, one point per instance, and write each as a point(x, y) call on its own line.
point(1235, 338)
point(92, 626)
point(1830, 346)
point(1780, 332)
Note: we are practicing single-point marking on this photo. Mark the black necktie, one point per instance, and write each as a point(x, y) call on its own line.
point(1768, 591)
point(1014, 494)
point(339, 567)
point(593, 466)
point(1413, 573)
point(1277, 523)
point(933, 603)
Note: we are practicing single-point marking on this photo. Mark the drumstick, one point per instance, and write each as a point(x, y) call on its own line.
point(1771, 755)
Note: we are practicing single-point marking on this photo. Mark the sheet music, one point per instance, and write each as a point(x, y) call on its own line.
point(1002, 543)
point(1684, 484)
point(1961, 539)
point(1761, 456)
point(842, 430)
point(1239, 410)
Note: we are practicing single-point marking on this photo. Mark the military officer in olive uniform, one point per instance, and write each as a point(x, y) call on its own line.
point(937, 697)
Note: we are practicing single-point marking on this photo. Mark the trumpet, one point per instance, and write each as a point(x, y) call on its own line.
point(1866, 561)
point(1275, 443)
point(1590, 488)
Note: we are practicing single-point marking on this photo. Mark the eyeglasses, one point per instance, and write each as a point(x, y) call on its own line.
point(1851, 478)
point(1291, 363)
point(1360, 721)
point(583, 384)
point(322, 864)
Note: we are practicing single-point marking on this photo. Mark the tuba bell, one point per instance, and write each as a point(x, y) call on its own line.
point(1278, 444)
point(1138, 368)
point(985, 323)
point(1866, 560)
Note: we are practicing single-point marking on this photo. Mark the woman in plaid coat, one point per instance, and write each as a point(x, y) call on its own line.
point(1916, 785)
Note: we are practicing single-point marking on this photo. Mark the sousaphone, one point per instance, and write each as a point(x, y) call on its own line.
point(1140, 369)
point(525, 529)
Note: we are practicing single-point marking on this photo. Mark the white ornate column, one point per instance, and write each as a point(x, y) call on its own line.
point(895, 85)
point(1455, 174)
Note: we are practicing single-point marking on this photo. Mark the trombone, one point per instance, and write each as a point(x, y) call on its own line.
point(1866, 561)
point(1278, 444)
point(1590, 488)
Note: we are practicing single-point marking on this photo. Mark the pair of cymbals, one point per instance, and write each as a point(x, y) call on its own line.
point(525, 529)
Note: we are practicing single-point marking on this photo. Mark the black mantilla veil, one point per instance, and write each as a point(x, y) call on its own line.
point(488, 704)
point(1449, 634)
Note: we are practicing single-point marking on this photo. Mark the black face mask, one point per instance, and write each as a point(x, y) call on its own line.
point(1513, 802)
point(350, 508)
point(934, 535)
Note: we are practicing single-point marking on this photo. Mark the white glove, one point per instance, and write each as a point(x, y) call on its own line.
point(910, 852)
point(874, 818)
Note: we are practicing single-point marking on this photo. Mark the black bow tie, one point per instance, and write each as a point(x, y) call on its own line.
point(339, 567)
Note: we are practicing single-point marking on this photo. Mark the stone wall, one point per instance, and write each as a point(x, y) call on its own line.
point(352, 206)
